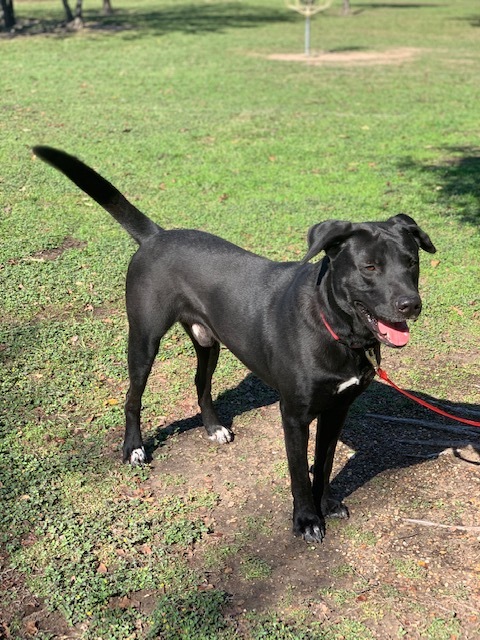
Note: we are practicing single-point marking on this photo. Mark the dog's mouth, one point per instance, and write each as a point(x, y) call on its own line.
point(393, 334)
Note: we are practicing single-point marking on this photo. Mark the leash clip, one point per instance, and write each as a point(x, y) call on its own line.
point(372, 358)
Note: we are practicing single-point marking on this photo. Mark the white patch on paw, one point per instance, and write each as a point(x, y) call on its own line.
point(348, 383)
point(222, 435)
point(138, 457)
point(313, 534)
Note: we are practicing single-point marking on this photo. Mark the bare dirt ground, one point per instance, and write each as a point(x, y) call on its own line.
point(397, 577)
point(355, 57)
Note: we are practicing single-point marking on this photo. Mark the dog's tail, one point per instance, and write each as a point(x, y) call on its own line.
point(138, 225)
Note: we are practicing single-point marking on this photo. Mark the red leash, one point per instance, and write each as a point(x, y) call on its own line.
point(384, 376)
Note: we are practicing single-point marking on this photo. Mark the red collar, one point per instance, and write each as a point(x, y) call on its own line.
point(328, 327)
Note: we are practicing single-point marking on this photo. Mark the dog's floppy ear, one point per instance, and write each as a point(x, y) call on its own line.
point(420, 237)
point(325, 236)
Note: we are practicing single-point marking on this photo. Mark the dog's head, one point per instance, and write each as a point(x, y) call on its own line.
point(374, 271)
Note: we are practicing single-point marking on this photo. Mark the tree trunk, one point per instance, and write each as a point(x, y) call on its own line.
point(74, 22)
point(346, 7)
point(107, 8)
point(8, 14)
point(78, 10)
point(68, 11)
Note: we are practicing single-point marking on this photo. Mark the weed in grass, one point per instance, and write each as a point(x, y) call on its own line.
point(342, 570)
point(195, 614)
point(280, 469)
point(217, 556)
point(371, 611)
point(442, 629)
point(409, 568)
point(389, 591)
point(268, 628)
point(349, 630)
point(115, 624)
point(339, 596)
point(258, 526)
point(255, 568)
point(173, 480)
point(183, 531)
point(359, 536)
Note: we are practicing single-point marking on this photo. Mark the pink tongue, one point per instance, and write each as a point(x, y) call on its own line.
point(396, 333)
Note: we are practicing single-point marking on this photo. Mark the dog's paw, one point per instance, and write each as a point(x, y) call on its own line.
point(310, 528)
point(339, 511)
point(222, 435)
point(335, 509)
point(314, 533)
point(138, 457)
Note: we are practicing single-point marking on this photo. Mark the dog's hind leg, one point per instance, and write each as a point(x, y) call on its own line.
point(142, 350)
point(207, 358)
point(329, 426)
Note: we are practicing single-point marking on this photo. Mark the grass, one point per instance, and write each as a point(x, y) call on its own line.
point(183, 111)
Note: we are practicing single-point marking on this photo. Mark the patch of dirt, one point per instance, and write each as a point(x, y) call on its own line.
point(351, 58)
point(407, 562)
point(45, 255)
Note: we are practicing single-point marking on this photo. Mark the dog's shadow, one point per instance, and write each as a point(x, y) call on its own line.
point(385, 430)
point(250, 394)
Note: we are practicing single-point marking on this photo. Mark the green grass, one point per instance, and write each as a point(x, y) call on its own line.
point(183, 111)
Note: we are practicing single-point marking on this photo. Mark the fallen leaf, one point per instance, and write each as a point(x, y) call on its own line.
point(146, 549)
point(102, 568)
point(125, 603)
point(31, 628)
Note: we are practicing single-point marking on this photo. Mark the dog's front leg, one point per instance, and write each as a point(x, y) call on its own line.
point(329, 426)
point(307, 522)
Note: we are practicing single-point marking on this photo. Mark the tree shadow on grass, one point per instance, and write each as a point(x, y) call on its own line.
point(473, 20)
point(194, 19)
point(357, 8)
point(398, 5)
point(456, 180)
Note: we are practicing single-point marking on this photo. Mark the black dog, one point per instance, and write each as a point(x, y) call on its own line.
point(305, 329)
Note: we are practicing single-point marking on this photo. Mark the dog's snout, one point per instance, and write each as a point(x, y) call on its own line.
point(409, 306)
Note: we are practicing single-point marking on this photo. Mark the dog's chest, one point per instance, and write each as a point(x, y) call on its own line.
point(351, 382)
point(354, 381)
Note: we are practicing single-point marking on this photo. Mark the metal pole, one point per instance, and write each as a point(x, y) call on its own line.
point(307, 35)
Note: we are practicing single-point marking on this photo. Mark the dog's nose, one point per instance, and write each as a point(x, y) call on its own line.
point(409, 306)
